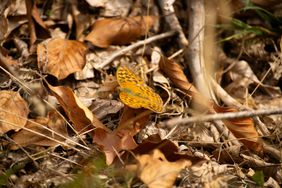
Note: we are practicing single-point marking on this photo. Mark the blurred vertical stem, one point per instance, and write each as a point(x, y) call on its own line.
point(196, 9)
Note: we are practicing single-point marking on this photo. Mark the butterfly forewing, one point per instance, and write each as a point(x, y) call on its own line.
point(125, 76)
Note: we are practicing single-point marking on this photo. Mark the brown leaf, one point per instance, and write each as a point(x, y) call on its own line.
point(60, 57)
point(119, 31)
point(82, 118)
point(108, 86)
point(111, 143)
point(39, 125)
point(243, 129)
point(133, 120)
point(13, 111)
point(101, 107)
point(178, 78)
point(167, 147)
point(3, 27)
point(155, 171)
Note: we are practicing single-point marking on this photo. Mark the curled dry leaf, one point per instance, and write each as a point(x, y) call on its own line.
point(243, 129)
point(156, 171)
point(39, 127)
point(82, 118)
point(13, 111)
point(167, 147)
point(101, 108)
point(178, 78)
point(61, 57)
point(107, 87)
point(119, 31)
point(111, 143)
point(242, 75)
point(133, 120)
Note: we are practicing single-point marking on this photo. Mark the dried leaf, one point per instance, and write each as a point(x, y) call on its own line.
point(111, 143)
point(242, 76)
point(108, 86)
point(119, 31)
point(60, 57)
point(178, 78)
point(54, 122)
point(3, 27)
point(82, 118)
point(155, 171)
point(167, 147)
point(101, 108)
point(13, 111)
point(133, 120)
point(243, 129)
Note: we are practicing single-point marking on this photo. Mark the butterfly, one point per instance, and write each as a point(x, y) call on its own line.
point(135, 93)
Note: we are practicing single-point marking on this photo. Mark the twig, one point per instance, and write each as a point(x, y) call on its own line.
point(257, 162)
point(122, 51)
point(275, 153)
point(172, 21)
point(222, 116)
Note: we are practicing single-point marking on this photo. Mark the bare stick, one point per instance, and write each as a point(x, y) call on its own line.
point(172, 21)
point(123, 51)
point(195, 53)
point(222, 116)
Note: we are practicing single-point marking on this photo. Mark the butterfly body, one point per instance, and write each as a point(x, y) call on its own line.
point(135, 93)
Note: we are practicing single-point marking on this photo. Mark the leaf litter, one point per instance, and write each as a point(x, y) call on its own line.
point(94, 131)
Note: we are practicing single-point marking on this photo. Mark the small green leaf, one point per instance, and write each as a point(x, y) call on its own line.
point(258, 177)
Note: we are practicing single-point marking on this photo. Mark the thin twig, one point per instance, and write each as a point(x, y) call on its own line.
point(123, 51)
point(222, 116)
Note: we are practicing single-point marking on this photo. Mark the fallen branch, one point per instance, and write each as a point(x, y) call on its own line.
point(123, 51)
point(222, 116)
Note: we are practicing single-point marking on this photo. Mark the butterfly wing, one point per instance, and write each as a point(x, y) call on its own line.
point(135, 93)
point(144, 96)
point(126, 76)
point(153, 100)
point(130, 100)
